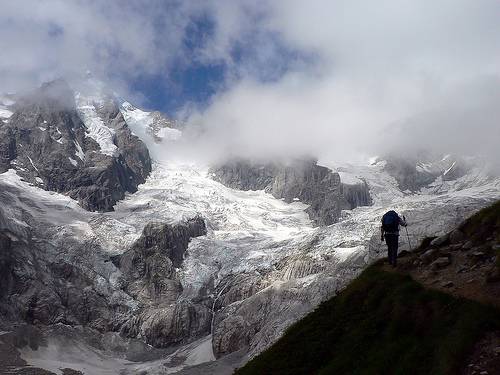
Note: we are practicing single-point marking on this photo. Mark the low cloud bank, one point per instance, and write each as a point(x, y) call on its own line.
point(340, 79)
point(391, 76)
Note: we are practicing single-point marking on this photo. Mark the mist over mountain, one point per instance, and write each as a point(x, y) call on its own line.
point(364, 80)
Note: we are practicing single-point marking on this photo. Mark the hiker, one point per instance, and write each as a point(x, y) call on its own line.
point(390, 230)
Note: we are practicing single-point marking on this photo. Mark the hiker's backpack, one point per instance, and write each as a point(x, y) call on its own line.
point(390, 222)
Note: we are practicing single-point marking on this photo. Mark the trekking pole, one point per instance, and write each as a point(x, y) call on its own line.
point(407, 235)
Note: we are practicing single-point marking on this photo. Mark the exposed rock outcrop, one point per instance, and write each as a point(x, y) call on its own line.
point(356, 195)
point(149, 266)
point(150, 276)
point(462, 260)
point(300, 179)
point(414, 173)
point(48, 144)
point(254, 309)
point(245, 175)
point(177, 323)
point(42, 285)
point(155, 124)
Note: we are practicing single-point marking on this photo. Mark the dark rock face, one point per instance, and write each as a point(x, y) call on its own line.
point(356, 195)
point(314, 185)
point(415, 172)
point(302, 180)
point(163, 326)
point(149, 274)
point(245, 175)
point(149, 266)
point(45, 142)
point(38, 288)
point(407, 176)
point(6, 261)
point(43, 285)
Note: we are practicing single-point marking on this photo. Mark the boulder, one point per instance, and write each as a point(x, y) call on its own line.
point(447, 284)
point(456, 236)
point(477, 255)
point(440, 241)
point(493, 276)
point(467, 245)
point(429, 256)
point(441, 262)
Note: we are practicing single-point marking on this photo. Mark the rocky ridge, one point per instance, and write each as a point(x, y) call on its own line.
point(463, 262)
point(298, 180)
point(46, 141)
point(415, 172)
point(149, 275)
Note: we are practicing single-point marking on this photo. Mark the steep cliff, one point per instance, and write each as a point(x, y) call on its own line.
point(150, 275)
point(52, 144)
point(298, 180)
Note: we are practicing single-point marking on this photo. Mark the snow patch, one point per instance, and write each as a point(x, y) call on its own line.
point(73, 161)
point(141, 124)
point(34, 166)
point(6, 101)
point(5, 113)
point(79, 152)
point(96, 129)
point(450, 168)
point(349, 178)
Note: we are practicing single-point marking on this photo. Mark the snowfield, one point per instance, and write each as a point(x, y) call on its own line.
point(96, 129)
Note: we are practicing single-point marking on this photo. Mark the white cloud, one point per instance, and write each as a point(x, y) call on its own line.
point(328, 77)
point(376, 64)
point(116, 40)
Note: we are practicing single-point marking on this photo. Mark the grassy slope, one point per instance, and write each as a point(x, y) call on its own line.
point(382, 323)
point(484, 224)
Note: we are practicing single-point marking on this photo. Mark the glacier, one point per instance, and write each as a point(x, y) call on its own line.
point(293, 265)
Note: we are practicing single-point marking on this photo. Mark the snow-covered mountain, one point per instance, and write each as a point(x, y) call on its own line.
point(184, 270)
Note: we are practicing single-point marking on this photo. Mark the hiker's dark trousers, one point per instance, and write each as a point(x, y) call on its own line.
point(392, 247)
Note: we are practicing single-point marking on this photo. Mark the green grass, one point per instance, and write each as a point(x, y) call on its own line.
point(382, 323)
point(483, 224)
